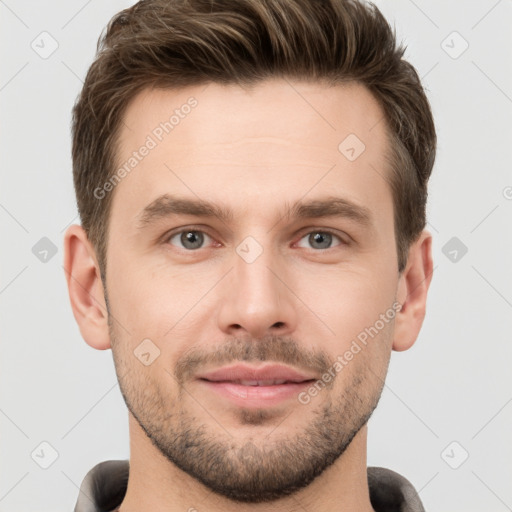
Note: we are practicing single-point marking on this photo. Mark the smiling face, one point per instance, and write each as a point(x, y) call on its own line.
point(253, 232)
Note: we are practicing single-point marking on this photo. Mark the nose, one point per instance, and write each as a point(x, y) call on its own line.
point(257, 300)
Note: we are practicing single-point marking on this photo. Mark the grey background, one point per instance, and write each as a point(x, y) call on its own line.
point(454, 385)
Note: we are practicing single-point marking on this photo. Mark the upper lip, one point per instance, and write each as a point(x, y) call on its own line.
point(261, 373)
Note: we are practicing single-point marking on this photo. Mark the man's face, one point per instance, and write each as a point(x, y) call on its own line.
point(261, 287)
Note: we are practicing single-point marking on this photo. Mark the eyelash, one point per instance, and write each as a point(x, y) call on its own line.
point(171, 235)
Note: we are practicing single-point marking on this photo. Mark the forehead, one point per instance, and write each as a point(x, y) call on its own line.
point(310, 113)
point(279, 140)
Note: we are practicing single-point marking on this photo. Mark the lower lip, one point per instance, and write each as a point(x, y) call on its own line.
point(256, 396)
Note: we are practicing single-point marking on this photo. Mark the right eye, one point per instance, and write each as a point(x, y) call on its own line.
point(190, 239)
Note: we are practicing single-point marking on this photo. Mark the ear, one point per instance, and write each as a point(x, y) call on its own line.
point(412, 291)
point(85, 288)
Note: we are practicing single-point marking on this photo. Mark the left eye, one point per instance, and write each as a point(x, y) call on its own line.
point(190, 239)
point(321, 239)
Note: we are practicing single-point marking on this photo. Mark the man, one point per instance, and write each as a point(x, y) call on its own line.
point(251, 178)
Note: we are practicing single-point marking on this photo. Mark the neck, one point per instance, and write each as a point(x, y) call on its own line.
point(157, 485)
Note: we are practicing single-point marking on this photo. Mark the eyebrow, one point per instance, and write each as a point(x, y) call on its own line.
point(168, 205)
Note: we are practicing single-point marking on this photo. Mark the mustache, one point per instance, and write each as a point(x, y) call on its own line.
point(271, 348)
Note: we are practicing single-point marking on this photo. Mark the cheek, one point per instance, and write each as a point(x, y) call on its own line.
point(362, 363)
point(347, 300)
point(157, 301)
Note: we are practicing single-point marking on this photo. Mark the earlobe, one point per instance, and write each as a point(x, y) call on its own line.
point(412, 292)
point(85, 288)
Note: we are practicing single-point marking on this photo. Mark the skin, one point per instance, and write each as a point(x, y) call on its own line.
point(254, 151)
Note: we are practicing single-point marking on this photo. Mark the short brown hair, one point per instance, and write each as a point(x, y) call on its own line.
point(179, 43)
